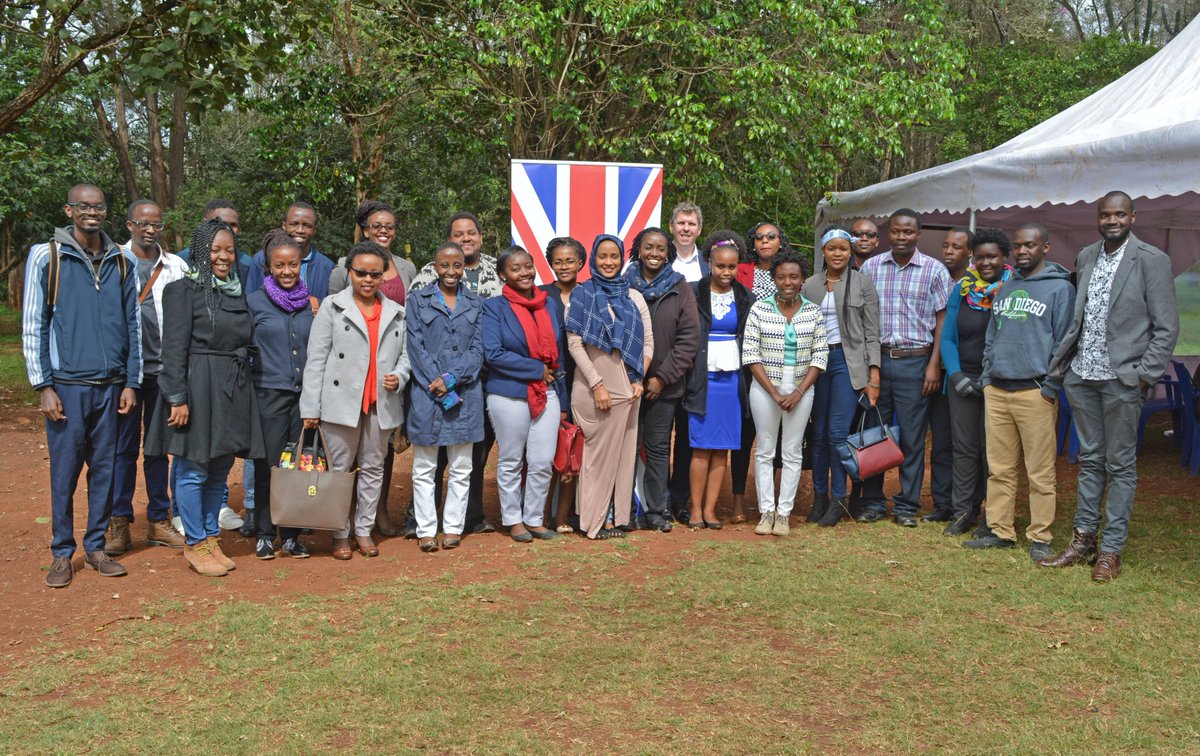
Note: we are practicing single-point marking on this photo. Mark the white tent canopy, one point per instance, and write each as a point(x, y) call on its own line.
point(1139, 134)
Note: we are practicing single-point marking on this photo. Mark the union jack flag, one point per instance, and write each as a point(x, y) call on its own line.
point(582, 200)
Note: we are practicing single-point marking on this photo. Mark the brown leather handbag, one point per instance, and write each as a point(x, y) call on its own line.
point(314, 499)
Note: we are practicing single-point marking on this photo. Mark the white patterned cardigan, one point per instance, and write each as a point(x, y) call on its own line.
point(764, 339)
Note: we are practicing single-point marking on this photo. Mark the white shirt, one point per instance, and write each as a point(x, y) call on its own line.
point(833, 332)
point(690, 268)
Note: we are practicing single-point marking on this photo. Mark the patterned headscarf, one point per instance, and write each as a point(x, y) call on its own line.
point(590, 318)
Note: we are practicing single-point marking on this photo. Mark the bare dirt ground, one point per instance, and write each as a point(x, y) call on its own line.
point(156, 574)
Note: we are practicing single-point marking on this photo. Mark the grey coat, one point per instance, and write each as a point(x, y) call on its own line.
point(858, 320)
point(339, 277)
point(1143, 321)
point(338, 359)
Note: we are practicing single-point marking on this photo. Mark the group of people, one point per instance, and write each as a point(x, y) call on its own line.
point(695, 353)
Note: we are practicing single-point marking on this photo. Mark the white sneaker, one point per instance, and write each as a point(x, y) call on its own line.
point(177, 523)
point(781, 527)
point(229, 520)
point(765, 524)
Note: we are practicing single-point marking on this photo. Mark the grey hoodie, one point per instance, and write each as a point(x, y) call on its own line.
point(1030, 317)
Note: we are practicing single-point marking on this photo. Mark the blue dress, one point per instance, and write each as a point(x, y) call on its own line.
point(721, 425)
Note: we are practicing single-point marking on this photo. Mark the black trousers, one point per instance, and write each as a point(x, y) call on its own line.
point(279, 413)
point(941, 451)
point(970, 454)
point(654, 430)
point(681, 462)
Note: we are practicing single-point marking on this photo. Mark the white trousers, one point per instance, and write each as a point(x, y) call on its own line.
point(768, 416)
point(424, 472)
point(523, 442)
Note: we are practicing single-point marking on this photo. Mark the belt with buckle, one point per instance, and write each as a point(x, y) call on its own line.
point(899, 354)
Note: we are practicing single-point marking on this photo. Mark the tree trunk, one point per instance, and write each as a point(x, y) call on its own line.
point(16, 287)
point(158, 165)
point(179, 127)
point(118, 138)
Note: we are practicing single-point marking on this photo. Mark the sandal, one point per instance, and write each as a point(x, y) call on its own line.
point(428, 545)
point(565, 529)
point(737, 519)
point(451, 541)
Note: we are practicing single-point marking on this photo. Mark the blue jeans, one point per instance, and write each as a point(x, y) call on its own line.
point(154, 469)
point(833, 413)
point(88, 435)
point(200, 491)
point(900, 384)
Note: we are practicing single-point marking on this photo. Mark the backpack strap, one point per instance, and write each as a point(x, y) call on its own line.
point(52, 274)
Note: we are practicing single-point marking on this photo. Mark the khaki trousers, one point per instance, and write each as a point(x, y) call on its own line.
point(1019, 421)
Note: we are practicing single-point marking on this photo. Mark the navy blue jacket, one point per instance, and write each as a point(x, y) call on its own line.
point(510, 368)
point(316, 272)
point(440, 341)
point(282, 341)
point(93, 334)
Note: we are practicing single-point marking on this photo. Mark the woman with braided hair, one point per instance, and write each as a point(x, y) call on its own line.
point(208, 411)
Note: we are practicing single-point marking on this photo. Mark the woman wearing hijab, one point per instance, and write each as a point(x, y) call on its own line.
point(672, 306)
point(208, 411)
point(521, 343)
point(611, 340)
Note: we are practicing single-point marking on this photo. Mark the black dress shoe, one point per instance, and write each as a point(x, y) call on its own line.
point(981, 530)
point(484, 527)
point(683, 516)
point(905, 521)
point(961, 526)
point(989, 541)
point(871, 515)
point(658, 522)
point(819, 508)
point(938, 515)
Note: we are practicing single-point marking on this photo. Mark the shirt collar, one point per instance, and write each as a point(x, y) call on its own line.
point(918, 259)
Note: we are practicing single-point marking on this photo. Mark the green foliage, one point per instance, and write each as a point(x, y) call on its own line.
point(1016, 87)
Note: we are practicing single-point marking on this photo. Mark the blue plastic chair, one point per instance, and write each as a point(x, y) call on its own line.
point(1068, 439)
point(1172, 402)
point(1190, 429)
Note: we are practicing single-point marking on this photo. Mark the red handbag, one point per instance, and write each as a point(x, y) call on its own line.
point(568, 457)
point(872, 451)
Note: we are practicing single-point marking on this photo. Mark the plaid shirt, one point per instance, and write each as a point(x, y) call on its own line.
point(909, 298)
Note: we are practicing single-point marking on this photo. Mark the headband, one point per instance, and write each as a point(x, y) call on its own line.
point(724, 243)
point(836, 233)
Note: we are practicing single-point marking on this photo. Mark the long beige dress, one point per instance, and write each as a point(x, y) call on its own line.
point(609, 438)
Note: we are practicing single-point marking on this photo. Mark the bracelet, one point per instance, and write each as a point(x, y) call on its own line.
point(873, 385)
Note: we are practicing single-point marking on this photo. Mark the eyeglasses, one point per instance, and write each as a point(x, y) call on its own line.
point(770, 236)
point(83, 207)
point(147, 224)
point(371, 274)
point(382, 227)
point(867, 234)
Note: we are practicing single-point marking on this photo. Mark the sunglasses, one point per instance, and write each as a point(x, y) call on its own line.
point(867, 234)
point(770, 236)
point(374, 275)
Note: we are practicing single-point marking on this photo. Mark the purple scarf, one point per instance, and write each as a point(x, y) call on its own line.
point(288, 300)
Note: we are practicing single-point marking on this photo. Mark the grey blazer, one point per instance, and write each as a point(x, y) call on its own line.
point(1143, 321)
point(858, 320)
point(339, 357)
point(339, 277)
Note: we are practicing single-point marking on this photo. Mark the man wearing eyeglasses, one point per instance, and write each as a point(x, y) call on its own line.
point(155, 269)
point(300, 223)
point(81, 336)
point(866, 242)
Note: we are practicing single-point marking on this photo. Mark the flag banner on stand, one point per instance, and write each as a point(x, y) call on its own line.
point(582, 200)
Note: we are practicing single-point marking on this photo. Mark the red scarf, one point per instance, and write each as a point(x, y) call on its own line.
point(539, 337)
point(371, 383)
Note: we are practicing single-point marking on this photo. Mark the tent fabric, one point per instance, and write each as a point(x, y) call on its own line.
point(1139, 134)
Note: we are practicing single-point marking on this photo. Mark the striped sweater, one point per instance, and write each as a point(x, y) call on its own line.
point(764, 339)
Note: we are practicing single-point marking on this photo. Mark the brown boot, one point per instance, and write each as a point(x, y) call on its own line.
point(162, 534)
point(1082, 548)
point(214, 548)
point(1107, 568)
point(116, 538)
point(202, 560)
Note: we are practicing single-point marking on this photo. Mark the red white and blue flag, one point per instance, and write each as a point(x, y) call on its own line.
point(582, 200)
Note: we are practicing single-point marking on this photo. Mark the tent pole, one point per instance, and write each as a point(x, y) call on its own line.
point(971, 220)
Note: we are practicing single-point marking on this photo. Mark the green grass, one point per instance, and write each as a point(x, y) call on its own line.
point(1187, 297)
point(863, 638)
point(12, 363)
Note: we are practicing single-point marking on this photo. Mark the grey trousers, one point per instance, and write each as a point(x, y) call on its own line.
point(1106, 418)
point(366, 444)
point(524, 443)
